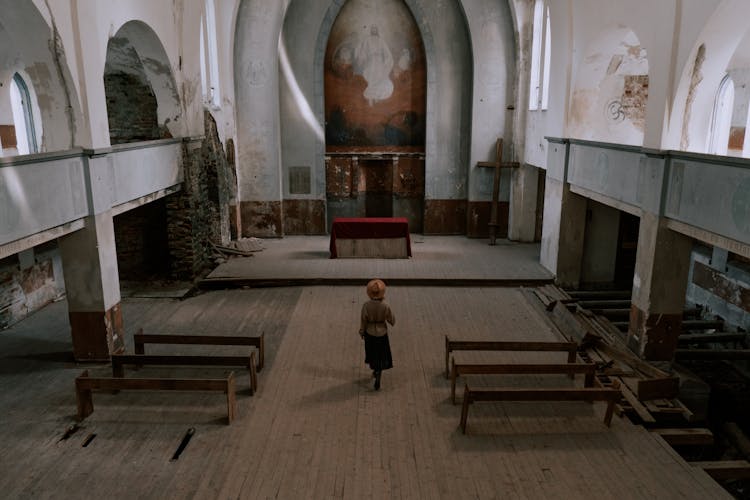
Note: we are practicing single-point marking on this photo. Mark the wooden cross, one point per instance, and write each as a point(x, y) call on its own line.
point(498, 165)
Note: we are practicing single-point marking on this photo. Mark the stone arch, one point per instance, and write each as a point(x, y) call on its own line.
point(137, 64)
point(611, 89)
point(437, 159)
point(716, 50)
point(31, 46)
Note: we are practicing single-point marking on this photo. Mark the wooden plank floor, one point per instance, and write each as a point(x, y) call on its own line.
point(316, 428)
point(435, 258)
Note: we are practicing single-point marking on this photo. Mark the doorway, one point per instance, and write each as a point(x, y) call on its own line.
point(378, 188)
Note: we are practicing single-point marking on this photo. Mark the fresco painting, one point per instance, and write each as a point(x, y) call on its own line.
point(375, 79)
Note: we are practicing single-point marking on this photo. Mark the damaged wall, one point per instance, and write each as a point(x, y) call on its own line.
point(199, 214)
point(29, 281)
point(721, 286)
point(306, 27)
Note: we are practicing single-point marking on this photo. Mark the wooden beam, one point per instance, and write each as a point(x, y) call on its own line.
point(498, 165)
point(723, 470)
point(707, 338)
point(686, 437)
point(713, 354)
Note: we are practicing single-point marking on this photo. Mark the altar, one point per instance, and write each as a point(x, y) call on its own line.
point(370, 237)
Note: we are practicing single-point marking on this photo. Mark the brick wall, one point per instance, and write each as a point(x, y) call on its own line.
point(141, 239)
point(23, 291)
point(199, 213)
point(131, 109)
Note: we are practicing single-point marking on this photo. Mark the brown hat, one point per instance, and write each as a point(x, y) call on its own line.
point(376, 289)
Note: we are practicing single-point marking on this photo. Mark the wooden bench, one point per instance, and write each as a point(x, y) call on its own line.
point(610, 395)
point(140, 339)
point(588, 369)
point(491, 345)
point(85, 385)
point(120, 360)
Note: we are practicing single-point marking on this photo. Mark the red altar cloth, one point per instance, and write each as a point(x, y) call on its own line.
point(369, 228)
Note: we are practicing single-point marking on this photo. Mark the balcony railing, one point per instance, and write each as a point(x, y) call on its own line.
point(42, 192)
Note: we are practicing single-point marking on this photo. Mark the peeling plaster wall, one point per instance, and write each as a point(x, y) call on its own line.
point(84, 28)
point(718, 26)
point(30, 47)
point(258, 79)
point(257, 100)
point(491, 28)
point(668, 30)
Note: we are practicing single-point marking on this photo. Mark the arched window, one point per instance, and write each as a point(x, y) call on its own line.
point(209, 56)
point(721, 118)
point(23, 116)
point(540, 57)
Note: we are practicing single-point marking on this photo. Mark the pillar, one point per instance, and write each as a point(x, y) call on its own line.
point(523, 197)
point(564, 222)
point(93, 289)
point(659, 287)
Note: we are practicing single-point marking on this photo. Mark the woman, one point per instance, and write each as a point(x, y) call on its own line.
point(373, 329)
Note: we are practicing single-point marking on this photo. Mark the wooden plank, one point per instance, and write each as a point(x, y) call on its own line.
point(723, 470)
point(140, 340)
point(497, 345)
point(459, 369)
point(707, 338)
point(686, 436)
point(600, 294)
point(658, 388)
point(605, 304)
point(568, 325)
point(717, 283)
point(712, 354)
point(119, 360)
point(636, 405)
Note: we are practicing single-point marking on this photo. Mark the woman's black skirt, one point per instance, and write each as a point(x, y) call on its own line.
point(378, 352)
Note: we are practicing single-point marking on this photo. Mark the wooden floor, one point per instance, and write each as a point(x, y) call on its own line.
point(316, 428)
point(435, 259)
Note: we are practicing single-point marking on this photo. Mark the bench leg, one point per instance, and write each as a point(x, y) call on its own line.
point(454, 376)
point(231, 400)
point(261, 352)
point(84, 401)
point(118, 370)
point(571, 359)
point(465, 408)
point(253, 374)
point(610, 412)
point(447, 355)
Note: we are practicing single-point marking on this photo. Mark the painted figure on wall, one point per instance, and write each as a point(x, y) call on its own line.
point(374, 60)
point(375, 79)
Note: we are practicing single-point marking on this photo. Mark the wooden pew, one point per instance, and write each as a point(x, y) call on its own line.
point(120, 360)
point(85, 385)
point(492, 345)
point(140, 339)
point(588, 369)
point(610, 395)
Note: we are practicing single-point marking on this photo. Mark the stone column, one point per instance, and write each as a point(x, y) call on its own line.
point(523, 195)
point(659, 286)
point(93, 289)
point(564, 223)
